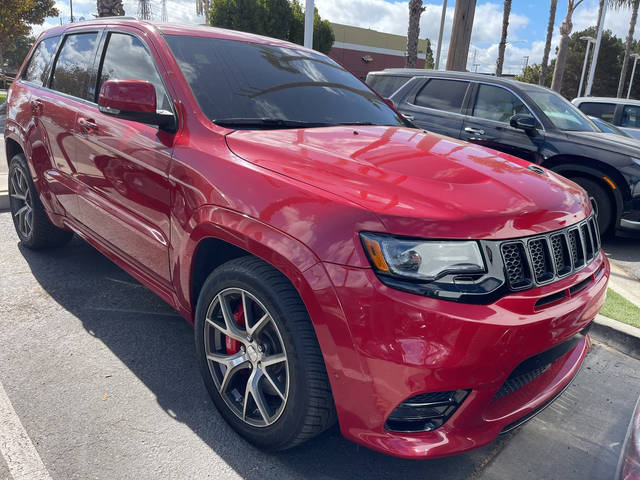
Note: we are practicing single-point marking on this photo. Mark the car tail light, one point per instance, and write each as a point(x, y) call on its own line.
point(425, 412)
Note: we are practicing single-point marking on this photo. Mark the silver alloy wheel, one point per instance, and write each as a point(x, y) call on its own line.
point(21, 202)
point(246, 357)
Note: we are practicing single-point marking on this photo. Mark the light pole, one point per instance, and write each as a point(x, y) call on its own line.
point(589, 41)
point(439, 49)
point(308, 24)
point(635, 57)
point(596, 50)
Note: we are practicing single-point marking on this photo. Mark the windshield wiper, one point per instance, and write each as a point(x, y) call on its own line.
point(266, 123)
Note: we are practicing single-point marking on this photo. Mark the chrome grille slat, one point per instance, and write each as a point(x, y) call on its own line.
point(544, 258)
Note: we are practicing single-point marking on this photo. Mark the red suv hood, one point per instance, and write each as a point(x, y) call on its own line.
point(420, 184)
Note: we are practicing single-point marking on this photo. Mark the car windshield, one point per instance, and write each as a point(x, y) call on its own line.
point(560, 112)
point(249, 85)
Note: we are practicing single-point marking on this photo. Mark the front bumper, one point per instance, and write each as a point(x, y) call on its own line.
point(407, 345)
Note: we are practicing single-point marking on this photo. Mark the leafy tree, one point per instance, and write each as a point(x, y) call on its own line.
point(428, 61)
point(282, 19)
point(16, 16)
point(606, 77)
point(17, 50)
point(110, 8)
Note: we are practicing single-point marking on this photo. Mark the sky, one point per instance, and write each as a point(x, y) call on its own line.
point(527, 26)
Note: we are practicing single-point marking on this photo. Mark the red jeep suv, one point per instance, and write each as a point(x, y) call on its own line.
point(337, 263)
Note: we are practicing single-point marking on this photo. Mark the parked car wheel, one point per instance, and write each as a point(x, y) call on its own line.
point(601, 202)
point(259, 356)
point(32, 225)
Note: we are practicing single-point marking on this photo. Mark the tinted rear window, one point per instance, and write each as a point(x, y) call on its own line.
point(630, 116)
point(386, 85)
point(73, 66)
point(445, 95)
point(232, 79)
point(600, 110)
point(38, 69)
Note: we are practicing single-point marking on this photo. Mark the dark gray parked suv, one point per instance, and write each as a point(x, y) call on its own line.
point(527, 121)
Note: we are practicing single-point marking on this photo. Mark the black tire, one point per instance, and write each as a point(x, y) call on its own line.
point(33, 228)
point(309, 408)
point(604, 206)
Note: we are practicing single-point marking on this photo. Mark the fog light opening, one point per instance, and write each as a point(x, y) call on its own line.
point(425, 412)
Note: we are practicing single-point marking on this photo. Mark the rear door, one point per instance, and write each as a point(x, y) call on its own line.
point(123, 165)
point(436, 105)
point(488, 123)
point(630, 120)
point(57, 108)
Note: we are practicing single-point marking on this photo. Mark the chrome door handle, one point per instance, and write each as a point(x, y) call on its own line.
point(474, 131)
point(409, 117)
point(87, 126)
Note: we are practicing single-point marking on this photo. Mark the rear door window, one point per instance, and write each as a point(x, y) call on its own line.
point(127, 57)
point(73, 66)
point(37, 72)
point(630, 116)
point(445, 95)
point(604, 111)
point(386, 85)
point(498, 104)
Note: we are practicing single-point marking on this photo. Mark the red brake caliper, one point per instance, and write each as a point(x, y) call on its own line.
point(233, 346)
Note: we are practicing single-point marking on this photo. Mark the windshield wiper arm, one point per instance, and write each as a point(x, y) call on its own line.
point(266, 123)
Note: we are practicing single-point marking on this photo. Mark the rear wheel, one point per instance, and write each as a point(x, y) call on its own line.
point(601, 201)
point(259, 356)
point(29, 218)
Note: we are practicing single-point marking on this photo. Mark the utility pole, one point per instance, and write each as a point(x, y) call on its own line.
point(442, 18)
point(308, 24)
point(461, 35)
point(71, 8)
point(596, 50)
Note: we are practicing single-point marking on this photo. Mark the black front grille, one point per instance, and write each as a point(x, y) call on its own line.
point(425, 412)
point(542, 259)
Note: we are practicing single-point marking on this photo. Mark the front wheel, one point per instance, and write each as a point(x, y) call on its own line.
point(601, 201)
point(259, 356)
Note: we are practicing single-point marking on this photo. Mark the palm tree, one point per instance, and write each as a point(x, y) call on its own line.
point(110, 8)
point(563, 48)
point(547, 46)
point(415, 10)
point(203, 8)
point(503, 39)
point(634, 4)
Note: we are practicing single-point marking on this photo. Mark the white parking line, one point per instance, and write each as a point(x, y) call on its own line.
point(15, 445)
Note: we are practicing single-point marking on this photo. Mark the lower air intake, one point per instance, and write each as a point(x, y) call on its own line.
point(425, 412)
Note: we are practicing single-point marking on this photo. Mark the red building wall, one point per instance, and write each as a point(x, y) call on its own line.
point(353, 61)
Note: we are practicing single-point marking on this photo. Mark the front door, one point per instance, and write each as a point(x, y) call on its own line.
point(123, 165)
point(488, 124)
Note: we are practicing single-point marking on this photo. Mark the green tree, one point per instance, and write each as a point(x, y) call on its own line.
point(282, 19)
point(609, 64)
point(109, 8)
point(428, 60)
point(561, 57)
point(16, 16)
point(17, 50)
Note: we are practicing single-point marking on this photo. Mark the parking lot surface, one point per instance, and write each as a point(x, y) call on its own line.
point(101, 374)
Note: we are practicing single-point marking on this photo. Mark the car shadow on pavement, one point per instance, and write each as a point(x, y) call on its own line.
point(156, 344)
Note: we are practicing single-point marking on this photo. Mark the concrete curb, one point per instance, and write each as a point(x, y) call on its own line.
point(618, 335)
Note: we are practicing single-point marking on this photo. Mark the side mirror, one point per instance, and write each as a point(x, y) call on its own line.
point(133, 100)
point(523, 121)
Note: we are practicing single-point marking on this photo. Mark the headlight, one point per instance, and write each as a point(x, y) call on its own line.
point(422, 260)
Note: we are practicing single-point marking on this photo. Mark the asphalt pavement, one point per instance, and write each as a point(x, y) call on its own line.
point(101, 376)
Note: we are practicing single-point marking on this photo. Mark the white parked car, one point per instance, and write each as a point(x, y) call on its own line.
point(621, 112)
